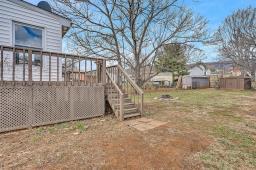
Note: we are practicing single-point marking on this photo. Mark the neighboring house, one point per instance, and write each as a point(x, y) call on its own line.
point(198, 69)
point(25, 25)
point(163, 79)
point(221, 68)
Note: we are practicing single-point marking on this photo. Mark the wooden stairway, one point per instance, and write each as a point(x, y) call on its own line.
point(123, 95)
point(129, 108)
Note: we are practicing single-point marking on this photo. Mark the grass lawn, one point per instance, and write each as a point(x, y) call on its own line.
point(227, 118)
point(206, 129)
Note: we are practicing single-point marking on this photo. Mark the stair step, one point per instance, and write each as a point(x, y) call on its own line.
point(130, 110)
point(116, 94)
point(127, 105)
point(126, 116)
point(126, 100)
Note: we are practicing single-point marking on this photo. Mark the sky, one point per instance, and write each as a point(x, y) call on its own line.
point(215, 12)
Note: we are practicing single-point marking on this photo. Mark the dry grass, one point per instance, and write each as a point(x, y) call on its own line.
point(228, 118)
point(211, 129)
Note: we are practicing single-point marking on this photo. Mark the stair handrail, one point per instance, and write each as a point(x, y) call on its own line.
point(135, 86)
point(131, 80)
point(121, 96)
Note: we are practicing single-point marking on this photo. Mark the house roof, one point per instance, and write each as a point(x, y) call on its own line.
point(64, 21)
point(208, 65)
point(198, 64)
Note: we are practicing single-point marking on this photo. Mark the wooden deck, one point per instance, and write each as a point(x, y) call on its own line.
point(51, 89)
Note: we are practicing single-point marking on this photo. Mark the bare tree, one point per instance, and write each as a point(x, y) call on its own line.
point(130, 30)
point(236, 38)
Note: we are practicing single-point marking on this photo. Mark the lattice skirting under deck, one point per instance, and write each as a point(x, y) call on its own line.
point(30, 106)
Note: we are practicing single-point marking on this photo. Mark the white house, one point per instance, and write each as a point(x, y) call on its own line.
point(163, 78)
point(198, 70)
point(28, 26)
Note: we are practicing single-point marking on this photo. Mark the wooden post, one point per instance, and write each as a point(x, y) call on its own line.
point(2, 63)
point(41, 68)
point(118, 76)
point(58, 70)
point(65, 71)
point(121, 107)
point(30, 67)
point(85, 78)
point(13, 64)
point(141, 104)
point(91, 73)
point(50, 68)
point(97, 70)
point(103, 73)
point(72, 67)
point(79, 69)
point(24, 66)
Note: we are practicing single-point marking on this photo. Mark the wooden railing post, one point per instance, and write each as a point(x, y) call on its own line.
point(41, 68)
point(72, 71)
point(142, 104)
point(118, 76)
point(79, 70)
point(24, 66)
point(50, 68)
point(58, 69)
point(121, 107)
point(98, 70)
point(13, 65)
point(30, 67)
point(85, 75)
point(65, 70)
point(2, 63)
point(103, 72)
point(91, 75)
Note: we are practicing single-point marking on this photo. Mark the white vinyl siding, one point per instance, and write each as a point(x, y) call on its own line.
point(197, 71)
point(52, 39)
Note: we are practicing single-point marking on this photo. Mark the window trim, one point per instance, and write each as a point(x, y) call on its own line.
point(32, 26)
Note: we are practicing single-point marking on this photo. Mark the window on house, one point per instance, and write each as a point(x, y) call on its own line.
point(28, 36)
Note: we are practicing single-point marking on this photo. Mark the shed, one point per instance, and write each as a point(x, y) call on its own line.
point(235, 83)
point(195, 82)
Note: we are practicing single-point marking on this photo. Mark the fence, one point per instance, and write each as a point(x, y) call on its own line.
point(235, 83)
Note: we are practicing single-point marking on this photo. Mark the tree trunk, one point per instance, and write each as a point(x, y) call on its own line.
point(253, 70)
point(138, 79)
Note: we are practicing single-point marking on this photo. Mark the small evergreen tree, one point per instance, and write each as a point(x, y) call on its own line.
point(172, 59)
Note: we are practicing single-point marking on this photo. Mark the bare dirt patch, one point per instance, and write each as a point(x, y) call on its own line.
point(106, 144)
point(155, 149)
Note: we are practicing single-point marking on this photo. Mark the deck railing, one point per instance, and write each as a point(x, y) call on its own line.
point(32, 66)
